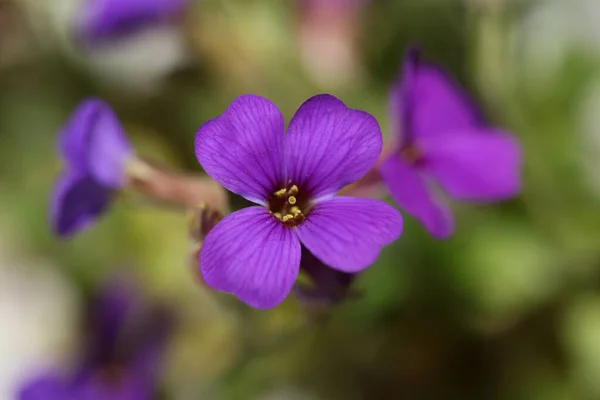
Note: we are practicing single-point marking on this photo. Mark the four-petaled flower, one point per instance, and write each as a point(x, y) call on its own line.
point(124, 346)
point(102, 19)
point(443, 139)
point(96, 152)
point(254, 253)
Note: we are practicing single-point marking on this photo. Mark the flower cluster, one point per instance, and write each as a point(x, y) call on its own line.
point(293, 175)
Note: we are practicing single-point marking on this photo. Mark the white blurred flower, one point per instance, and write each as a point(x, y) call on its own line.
point(38, 314)
point(550, 29)
point(138, 61)
point(142, 61)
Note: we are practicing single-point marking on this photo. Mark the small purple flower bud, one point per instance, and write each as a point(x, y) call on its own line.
point(329, 286)
point(95, 151)
point(442, 139)
point(293, 177)
point(202, 220)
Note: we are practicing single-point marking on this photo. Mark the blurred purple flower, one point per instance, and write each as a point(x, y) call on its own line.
point(254, 253)
point(103, 19)
point(122, 354)
point(443, 139)
point(95, 151)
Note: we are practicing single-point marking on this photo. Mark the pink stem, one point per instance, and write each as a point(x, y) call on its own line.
point(183, 190)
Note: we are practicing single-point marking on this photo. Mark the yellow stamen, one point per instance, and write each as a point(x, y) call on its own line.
point(287, 217)
point(293, 191)
point(292, 200)
point(295, 210)
point(277, 215)
point(280, 193)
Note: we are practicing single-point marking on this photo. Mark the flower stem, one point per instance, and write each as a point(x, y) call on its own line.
point(182, 190)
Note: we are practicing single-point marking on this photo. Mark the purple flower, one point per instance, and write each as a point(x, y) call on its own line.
point(95, 151)
point(443, 140)
point(122, 354)
point(102, 19)
point(254, 253)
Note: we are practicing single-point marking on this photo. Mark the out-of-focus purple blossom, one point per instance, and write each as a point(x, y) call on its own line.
point(443, 140)
point(122, 353)
point(95, 151)
point(255, 253)
point(329, 286)
point(103, 19)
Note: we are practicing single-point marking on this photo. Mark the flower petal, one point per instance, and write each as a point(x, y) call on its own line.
point(431, 101)
point(108, 149)
point(400, 95)
point(77, 201)
point(148, 361)
point(347, 233)
point(253, 256)
point(74, 137)
point(126, 387)
point(242, 149)
point(45, 387)
point(329, 145)
point(481, 165)
point(102, 19)
point(412, 195)
point(93, 141)
point(111, 313)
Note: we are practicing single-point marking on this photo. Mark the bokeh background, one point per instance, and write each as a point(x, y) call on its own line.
point(508, 308)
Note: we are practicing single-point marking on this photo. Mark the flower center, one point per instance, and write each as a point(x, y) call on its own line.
point(289, 205)
point(411, 154)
